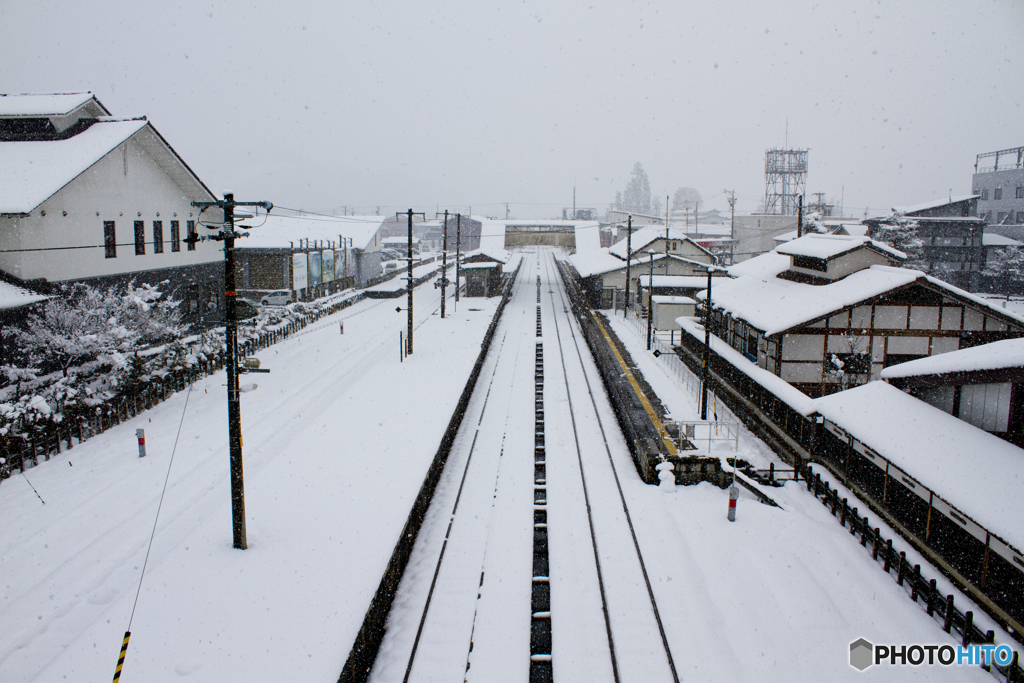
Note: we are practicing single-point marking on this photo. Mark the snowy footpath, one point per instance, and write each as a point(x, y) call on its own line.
point(337, 440)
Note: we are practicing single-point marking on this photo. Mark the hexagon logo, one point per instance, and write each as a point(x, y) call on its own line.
point(862, 654)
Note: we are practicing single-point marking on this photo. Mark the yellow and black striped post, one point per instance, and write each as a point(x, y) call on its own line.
point(120, 659)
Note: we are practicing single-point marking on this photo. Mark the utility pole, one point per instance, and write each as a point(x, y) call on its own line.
point(707, 352)
point(444, 261)
point(408, 284)
point(629, 248)
point(227, 235)
point(650, 301)
point(666, 224)
point(800, 216)
point(696, 210)
point(458, 259)
point(732, 213)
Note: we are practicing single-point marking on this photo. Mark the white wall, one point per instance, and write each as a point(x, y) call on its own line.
point(124, 186)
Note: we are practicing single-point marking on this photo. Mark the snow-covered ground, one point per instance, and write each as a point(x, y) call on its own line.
point(337, 439)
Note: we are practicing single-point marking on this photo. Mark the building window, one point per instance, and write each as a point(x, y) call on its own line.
point(1000, 216)
point(109, 239)
point(175, 237)
point(984, 195)
point(810, 263)
point(158, 237)
point(1020, 192)
point(191, 227)
point(140, 238)
point(1020, 217)
point(997, 193)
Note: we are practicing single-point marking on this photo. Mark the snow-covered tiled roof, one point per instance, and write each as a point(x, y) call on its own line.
point(762, 266)
point(33, 171)
point(981, 474)
point(12, 296)
point(681, 281)
point(666, 299)
point(499, 255)
point(934, 204)
point(53, 104)
point(595, 262)
point(600, 261)
point(1008, 353)
point(830, 246)
point(647, 234)
point(281, 232)
point(775, 305)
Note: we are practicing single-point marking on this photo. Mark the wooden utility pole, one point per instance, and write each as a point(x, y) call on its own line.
point(227, 235)
point(629, 254)
point(458, 253)
point(732, 213)
point(444, 261)
point(408, 285)
point(707, 352)
point(650, 301)
point(666, 224)
point(800, 216)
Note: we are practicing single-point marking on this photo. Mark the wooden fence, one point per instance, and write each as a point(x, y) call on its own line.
point(41, 441)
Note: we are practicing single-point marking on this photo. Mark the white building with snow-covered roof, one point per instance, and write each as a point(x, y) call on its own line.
point(88, 197)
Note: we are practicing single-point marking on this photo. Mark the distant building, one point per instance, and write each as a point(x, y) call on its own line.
point(308, 255)
point(88, 197)
point(952, 234)
point(999, 183)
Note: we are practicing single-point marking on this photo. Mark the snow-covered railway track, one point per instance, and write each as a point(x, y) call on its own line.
point(527, 567)
point(447, 618)
point(588, 495)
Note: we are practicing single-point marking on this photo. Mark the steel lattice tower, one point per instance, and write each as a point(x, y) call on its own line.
point(785, 174)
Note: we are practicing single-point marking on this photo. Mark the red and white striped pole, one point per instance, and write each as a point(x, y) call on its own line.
point(141, 433)
point(734, 494)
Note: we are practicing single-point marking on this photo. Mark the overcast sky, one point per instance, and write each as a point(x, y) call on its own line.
point(477, 103)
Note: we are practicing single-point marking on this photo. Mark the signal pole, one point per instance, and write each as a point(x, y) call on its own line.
point(227, 235)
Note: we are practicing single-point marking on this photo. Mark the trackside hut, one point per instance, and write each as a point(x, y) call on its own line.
point(482, 269)
point(825, 316)
point(88, 197)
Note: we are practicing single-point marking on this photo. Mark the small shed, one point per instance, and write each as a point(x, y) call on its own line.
point(482, 270)
point(668, 308)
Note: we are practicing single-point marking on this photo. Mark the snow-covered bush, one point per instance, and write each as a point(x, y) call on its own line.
point(900, 232)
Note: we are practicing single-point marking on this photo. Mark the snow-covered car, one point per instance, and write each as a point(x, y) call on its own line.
point(277, 298)
point(390, 266)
